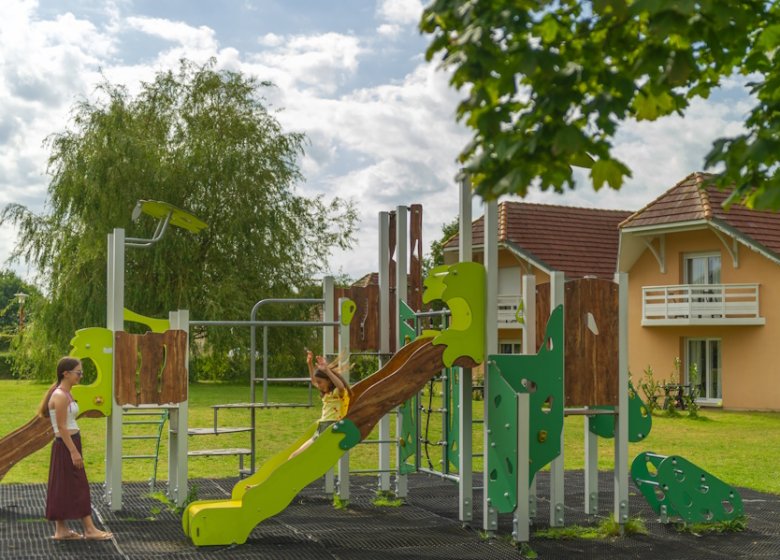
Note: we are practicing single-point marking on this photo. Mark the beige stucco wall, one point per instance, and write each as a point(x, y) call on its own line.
point(750, 368)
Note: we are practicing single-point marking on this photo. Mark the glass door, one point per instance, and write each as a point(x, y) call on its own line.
point(704, 356)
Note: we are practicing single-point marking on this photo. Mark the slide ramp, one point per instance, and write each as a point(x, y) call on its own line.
point(23, 442)
point(273, 487)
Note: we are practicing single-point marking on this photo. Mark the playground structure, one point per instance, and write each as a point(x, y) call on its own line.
point(580, 368)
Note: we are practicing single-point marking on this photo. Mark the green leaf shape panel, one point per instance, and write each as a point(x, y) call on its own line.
point(640, 421)
point(686, 490)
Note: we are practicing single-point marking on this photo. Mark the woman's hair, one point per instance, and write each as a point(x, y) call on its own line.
point(66, 363)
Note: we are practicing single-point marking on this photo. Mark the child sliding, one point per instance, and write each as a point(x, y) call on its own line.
point(334, 391)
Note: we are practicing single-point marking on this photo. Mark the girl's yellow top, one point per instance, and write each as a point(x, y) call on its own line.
point(334, 405)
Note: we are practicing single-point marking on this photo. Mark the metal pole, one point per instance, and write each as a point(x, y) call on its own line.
point(401, 213)
point(327, 348)
point(524, 514)
point(621, 418)
point(490, 514)
point(344, 363)
point(178, 441)
point(556, 466)
point(116, 323)
point(465, 412)
point(384, 342)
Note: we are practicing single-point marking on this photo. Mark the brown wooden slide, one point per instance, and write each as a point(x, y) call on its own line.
point(401, 378)
point(24, 441)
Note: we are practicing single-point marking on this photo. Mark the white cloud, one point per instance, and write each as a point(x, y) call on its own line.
point(389, 30)
point(405, 12)
point(198, 38)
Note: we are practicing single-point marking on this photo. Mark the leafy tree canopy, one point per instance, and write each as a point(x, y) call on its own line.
point(547, 84)
point(200, 139)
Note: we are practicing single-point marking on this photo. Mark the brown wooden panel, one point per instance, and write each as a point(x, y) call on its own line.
point(414, 294)
point(152, 356)
point(591, 359)
point(364, 329)
point(591, 370)
point(126, 360)
point(166, 353)
point(174, 382)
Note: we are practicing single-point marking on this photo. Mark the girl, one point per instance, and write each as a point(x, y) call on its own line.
point(334, 391)
point(68, 491)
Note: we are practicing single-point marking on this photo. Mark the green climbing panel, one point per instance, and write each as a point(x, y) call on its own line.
point(451, 390)
point(639, 419)
point(541, 376)
point(407, 332)
point(674, 487)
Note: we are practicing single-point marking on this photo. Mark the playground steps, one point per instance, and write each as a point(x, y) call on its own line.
point(145, 416)
point(216, 430)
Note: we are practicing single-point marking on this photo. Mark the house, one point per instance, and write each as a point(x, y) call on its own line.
point(704, 283)
point(539, 239)
point(704, 287)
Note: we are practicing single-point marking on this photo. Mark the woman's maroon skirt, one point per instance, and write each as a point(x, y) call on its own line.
point(68, 492)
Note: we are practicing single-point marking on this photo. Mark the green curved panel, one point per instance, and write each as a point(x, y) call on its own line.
point(639, 419)
point(179, 218)
point(348, 309)
point(155, 325)
point(95, 344)
point(541, 376)
point(462, 287)
point(268, 491)
point(453, 406)
point(684, 490)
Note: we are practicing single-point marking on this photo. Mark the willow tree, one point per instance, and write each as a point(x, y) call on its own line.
point(200, 139)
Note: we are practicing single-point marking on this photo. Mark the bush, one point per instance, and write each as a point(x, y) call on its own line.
point(6, 365)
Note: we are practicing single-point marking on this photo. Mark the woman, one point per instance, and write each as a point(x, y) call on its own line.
point(68, 491)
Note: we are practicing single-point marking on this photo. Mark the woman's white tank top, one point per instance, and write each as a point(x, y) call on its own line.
point(73, 411)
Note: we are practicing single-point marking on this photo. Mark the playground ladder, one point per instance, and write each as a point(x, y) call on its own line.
point(216, 430)
point(145, 417)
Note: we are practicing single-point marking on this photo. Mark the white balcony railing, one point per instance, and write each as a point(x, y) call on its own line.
point(508, 310)
point(701, 304)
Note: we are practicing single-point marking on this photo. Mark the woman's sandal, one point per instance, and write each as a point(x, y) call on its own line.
point(101, 536)
point(69, 536)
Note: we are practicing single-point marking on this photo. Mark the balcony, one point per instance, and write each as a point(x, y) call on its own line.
point(701, 304)
point(508, 311)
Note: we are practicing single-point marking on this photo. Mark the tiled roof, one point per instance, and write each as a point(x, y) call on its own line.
point(370, 279)
point(694, 199)
point(576, 241)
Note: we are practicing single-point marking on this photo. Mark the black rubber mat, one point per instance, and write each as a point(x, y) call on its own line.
point(425, 527)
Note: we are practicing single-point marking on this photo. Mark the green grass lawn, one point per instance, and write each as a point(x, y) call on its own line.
point(741, 448)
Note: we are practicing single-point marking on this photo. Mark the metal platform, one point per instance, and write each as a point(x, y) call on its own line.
point(426, 527)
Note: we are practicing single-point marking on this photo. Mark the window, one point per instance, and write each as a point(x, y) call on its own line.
point(704, 353)
point(702, 269)
point(508, 347)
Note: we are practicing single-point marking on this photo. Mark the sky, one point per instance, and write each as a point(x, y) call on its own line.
point(350, 74)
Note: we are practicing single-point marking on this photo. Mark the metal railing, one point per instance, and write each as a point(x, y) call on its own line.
point(701, 303)
point(508, 308)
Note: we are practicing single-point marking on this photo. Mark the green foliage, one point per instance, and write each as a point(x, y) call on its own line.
point(731, 526)
point(386, 498)
point(689, 398)
point(606, 529)
point(338, 503)
point(202, 140)
point(548, 83)
point(651, 388)
point(436, 255)
point(169, 505)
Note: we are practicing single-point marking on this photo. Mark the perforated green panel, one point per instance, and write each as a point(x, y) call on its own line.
point(541, 376)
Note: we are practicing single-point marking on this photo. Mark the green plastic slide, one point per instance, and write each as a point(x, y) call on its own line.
point(269, 490)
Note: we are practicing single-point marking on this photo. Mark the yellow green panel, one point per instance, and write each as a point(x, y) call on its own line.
point(96, 344)
point(155, 325)
point(269, 491)
point(348, 309)
point(179, 218)
point(462, 287)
